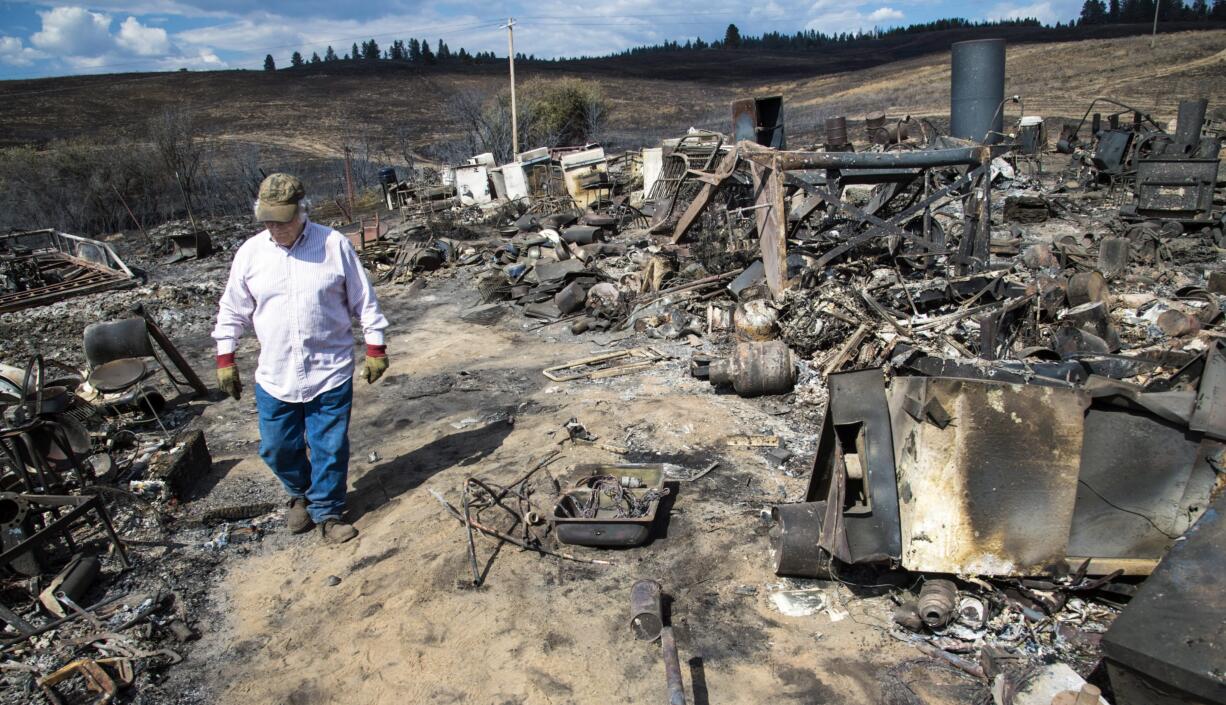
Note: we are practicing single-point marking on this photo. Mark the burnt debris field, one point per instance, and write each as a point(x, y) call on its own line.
point(894, 377)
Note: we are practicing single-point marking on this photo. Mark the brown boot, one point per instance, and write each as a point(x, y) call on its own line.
point(298, 519)
point(336, 531)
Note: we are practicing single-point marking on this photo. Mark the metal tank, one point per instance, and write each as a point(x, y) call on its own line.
point(977, 89)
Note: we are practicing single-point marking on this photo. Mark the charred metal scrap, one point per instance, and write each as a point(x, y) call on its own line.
point(1023, 381)
point(43, 266)
point(89, 459)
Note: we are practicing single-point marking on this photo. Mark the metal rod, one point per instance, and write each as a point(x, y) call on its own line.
point(472, 548)
point(672, 667)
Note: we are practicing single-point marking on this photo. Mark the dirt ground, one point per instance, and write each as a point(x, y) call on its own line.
point(403, 624)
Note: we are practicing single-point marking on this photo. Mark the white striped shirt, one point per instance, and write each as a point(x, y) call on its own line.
point(301, 301)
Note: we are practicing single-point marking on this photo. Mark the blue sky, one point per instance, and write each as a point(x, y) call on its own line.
point(114, 36)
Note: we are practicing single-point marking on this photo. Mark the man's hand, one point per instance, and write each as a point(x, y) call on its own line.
point(227, 376)
point(376, 363)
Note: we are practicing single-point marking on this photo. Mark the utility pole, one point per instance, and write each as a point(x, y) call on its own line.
point(514, 116)
point(1154, 37)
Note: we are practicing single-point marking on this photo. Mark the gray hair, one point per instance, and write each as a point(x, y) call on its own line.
point(304, 207)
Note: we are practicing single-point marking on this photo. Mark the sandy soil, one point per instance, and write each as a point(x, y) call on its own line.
point(404, 624)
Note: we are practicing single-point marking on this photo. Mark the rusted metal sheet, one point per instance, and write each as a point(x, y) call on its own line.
point(772, 222)
point(992, 491)
point(759, 120)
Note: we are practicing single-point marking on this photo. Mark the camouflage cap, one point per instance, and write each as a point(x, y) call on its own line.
point(279, 197)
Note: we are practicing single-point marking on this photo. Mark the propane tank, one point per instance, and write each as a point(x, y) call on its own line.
point(756, 369)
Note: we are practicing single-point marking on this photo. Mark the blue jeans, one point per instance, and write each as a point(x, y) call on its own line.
point(288, 430)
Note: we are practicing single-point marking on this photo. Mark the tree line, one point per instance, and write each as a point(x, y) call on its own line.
point(1134, 11)
point(412, 51)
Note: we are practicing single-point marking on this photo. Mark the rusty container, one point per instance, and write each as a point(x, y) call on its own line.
point(874, 125)
point(836, 132)
point(756, 369)
point(646, 616)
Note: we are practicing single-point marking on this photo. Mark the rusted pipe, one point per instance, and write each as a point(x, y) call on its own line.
point(672, 667)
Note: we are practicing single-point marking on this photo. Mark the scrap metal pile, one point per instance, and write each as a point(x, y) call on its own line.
point(1024, 365)
point(88, 461)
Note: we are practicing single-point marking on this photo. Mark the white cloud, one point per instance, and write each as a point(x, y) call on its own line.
point(851, 20)
point(74, 31)
point(885, 14)
point(142, 40)
point(1041, 11)
point(14, 52)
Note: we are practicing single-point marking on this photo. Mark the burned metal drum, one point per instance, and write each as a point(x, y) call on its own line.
point(836, 132)
point(977, 89)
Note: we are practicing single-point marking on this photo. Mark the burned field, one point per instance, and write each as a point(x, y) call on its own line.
point(928, 412)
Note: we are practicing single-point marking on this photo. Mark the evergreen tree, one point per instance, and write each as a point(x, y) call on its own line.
point(354, 54)
point(269, 64)
point(732, 36)
point(443, 52)
point(329, 55)
point(426, 55)
point(1219, 10)
point(372, 52)
point(1113, 11)
point(295, 60)
point(1200, 10)
point(396, 53)
point(315, 57)
point(1093, 12)
point(414, 50)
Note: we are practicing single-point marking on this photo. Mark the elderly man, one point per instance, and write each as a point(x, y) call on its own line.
point(300, 285)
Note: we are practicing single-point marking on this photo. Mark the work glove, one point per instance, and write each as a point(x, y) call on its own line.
point(227, 376)
point(376, 363)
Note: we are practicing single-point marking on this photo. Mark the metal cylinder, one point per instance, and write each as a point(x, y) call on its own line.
point(1096, 124)
point(672, 668)
point(873, 124)
point(836, 132)
point(937, 600)
point(977, 89)
point(645, 614)
point(387, 175)
point(1189, 123)
point(570, 299)
point(755, 369)
point(794, 537)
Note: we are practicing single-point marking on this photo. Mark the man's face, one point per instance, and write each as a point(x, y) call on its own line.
point(285, 233)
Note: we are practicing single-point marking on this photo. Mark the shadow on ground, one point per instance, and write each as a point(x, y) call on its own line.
point(389, 480)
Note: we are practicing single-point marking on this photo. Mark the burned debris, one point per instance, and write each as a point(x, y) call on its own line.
point(1018, 357)
point(42, 266)
point(1006, 360)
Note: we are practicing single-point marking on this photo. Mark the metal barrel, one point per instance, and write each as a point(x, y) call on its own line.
point(836, 131)
point(645, 613)
point(874, 123)
point(977, 89)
